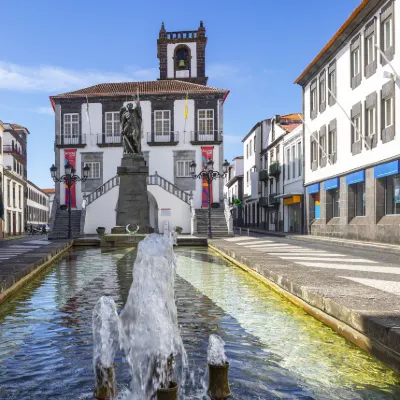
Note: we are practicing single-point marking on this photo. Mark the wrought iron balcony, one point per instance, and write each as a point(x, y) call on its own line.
point(109, 140)
point(273, 200)
point(170, 138)
point(204, 137)
point(71, 140)
point(18, 153)
point(263, 175)
point(263, 201)
point(275, 169)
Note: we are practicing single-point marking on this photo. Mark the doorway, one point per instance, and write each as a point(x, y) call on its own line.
point(294, 218)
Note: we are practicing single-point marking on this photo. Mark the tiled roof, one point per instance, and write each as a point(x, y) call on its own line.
point(290, 127)
point(49, 191)
point(341, 30)
point(293, 117)
point(150, 87)
point(18, 127)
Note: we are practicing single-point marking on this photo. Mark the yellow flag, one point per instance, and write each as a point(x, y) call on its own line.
point(186, 111)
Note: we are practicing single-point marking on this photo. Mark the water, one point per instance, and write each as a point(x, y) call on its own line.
point(275, 350)
point(216, 351)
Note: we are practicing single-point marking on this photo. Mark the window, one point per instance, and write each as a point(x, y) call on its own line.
point(288, 164)
point(355, 62)
point(332, 83)
point(247, 150)
point(183, 169)
point(335, 197)
point(371, 122)
point(392, 194)
point(293, 161)
point(322, 147)
point(356, 128)
point(206, 121)
point(299, 159)
point(251, 146)
point(370, 48)
point(322, 90)
point(19, 197)
point(387, 34)
point(313, 151)
point(359, 198)
point(71, 125)
point(94, 172)
point(387, 114)
point(162, 122)
point(313, 99)
point(254, 144)
point(113, 127)
point(271, 156)
point(277, 153)
point(247, 178)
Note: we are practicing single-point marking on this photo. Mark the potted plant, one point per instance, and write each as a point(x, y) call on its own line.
point(178, 230)
point(101, 230)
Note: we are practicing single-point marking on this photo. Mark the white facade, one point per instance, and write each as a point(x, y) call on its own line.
point(348, 97)
point(293, 180)
point(352, 140)
point(251, 153)
point(37, 206)
point(233, 190)
point(184, 73)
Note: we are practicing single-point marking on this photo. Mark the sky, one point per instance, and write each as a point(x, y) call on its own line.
point(256, 49)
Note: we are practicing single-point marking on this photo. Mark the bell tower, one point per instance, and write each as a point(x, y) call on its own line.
point(182, 55)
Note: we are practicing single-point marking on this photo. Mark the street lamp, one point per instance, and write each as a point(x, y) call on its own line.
point(69, 178)
point(209, 174)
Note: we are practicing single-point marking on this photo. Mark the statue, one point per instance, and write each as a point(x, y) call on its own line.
point(131, 128)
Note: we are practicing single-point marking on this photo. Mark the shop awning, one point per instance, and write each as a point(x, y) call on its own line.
point(387, 169)
point(313, 188)
point(355, 177)
point(292, 200)
point(287, 195)
point(331, 184)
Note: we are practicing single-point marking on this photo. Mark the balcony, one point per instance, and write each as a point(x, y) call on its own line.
point(162, 138)
point(109, 140)
point(263, 175)
point(19, 154)
point(209, 137)
point(275, 169)
point(273, 201)
point(76, 141)
point(263, 201)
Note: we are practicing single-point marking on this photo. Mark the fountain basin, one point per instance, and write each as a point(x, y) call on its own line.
point(121, 240)
point(218, 387)
point(105, 383)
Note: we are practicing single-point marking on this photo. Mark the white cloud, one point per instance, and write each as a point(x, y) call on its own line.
point(44, 110)
point(222, 71)
point(232, 139)
point(54, 79)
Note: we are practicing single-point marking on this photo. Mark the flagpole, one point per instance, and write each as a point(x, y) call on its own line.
point(186, 115)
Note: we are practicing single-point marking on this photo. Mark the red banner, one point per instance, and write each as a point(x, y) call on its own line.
point(206, 154)
point(70, 156)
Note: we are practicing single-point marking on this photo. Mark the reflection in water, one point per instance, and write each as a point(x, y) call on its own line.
point(275, 350)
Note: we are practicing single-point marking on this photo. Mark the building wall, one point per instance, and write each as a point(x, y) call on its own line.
point(13, 206)
point(37, 206)
point(354, 95)
point(249, 164)
point(193, 62)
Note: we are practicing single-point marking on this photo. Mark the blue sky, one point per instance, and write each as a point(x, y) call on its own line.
point(256, 49)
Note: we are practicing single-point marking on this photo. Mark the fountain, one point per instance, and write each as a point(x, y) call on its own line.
point(218, 388)
point(147, 328)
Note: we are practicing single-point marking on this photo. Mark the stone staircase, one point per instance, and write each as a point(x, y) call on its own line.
point(219, 226)
point(60, 227)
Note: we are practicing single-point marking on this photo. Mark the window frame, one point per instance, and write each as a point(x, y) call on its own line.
point(163, 131)
point(384, 33)
point(372, 110)
point(393, 195)
point(71, 123)
point(114, 122)
point(293, 161)
point(355, 61)
point(92, 164)
point(288, 164)
point(385, 101)
point(299, 159)
point(368, 51)
point(185, 168)
point(205, 119)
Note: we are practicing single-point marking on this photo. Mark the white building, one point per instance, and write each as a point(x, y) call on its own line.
point(2, 225)
point(15, 175)
point(234, 190)
point(87, 131)
point(37, 206)
point(352, 140)
point(293, 190)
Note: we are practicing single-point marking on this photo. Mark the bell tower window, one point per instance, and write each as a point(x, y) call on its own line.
point(182, 56)
point(182, 61)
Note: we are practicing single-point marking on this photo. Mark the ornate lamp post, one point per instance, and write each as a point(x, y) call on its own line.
point(209, 174)
point(69, 178)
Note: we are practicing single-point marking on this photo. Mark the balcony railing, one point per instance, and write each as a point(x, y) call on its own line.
point(14, 151)
point(263, 175)
point(273, 200)
point(71, 140)
point(203, 137)
point(275, 169)
point(162, 138)
point(263, 202)
point(109, 140)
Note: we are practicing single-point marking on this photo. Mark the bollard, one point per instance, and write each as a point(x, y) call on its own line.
point(240, 231)
point(105, 382)
point(218, 386)
point(169, 393)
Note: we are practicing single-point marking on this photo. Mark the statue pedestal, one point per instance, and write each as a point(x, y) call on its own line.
point(133, 204)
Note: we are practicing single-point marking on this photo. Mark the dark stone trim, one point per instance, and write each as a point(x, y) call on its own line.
point(162, 104)
point(205, 104)
point(109, 144)
point(160, 144)
point(196, 142)
point(71, 146)
point(71, 108)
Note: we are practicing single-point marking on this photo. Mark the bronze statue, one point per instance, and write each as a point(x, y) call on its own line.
point(131, 128)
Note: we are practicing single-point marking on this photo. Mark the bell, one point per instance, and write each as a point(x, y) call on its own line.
point(181, 63)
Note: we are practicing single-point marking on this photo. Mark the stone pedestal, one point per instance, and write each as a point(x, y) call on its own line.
point(133, 204)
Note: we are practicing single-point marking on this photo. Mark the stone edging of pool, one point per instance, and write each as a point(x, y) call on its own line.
point(283, 286)
point(36, 266)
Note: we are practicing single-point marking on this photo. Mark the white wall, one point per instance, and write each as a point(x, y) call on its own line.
point(170, 55)
point(348, 97)
point(248, 163)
